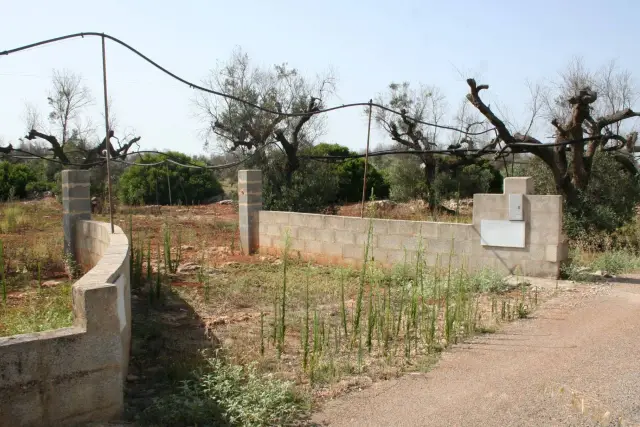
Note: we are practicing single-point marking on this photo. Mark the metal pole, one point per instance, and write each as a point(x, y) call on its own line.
point(107, 139)
point(166, 168)
point(366, 162)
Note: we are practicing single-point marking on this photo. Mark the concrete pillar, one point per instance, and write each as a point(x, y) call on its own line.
point(76, 205)
point(518, 185)
point(250, 203)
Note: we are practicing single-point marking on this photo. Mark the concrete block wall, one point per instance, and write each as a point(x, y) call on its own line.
point(545, 245)
point(337, 239)
point(75, 375)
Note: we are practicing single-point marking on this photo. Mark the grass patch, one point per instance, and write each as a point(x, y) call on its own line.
point(583, 264)
point(37, 311)
point(616, 262)
point(13, 218)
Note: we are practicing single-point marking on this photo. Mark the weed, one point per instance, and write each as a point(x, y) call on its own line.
point(3, 282)
point(14, 218)
point(49, 309)
point(172, 263)
point(224, 394)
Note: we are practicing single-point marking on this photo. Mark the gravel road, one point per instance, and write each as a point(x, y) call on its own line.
point(576, 362)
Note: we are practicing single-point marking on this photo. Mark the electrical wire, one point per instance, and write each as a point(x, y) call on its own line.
point(34, 156)
point(233, 97)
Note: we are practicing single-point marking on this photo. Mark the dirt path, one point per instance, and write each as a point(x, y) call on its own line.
point(576, 362)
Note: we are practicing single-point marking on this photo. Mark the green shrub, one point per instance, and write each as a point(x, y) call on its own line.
point(149, 185)
point(350, 174)
point(468, 180)
point(313, 186)
point(228, 395)
point(14, 179)
point(405, 177)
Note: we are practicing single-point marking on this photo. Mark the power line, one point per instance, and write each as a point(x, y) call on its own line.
point(233, 97)
point(168, 159)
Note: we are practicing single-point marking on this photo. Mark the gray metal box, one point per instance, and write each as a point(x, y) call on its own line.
point(515, 207)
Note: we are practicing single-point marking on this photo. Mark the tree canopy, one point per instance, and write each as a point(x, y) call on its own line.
point(167, 183)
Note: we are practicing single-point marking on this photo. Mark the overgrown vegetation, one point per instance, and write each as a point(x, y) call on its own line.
point(167, 183)
point(221, 394)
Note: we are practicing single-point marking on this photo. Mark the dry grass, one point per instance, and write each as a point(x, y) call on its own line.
point(32, 256)
point(239, 300)
point(411, 211)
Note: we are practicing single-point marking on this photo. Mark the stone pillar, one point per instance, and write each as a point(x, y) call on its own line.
point(76, 205)
point(250, 203)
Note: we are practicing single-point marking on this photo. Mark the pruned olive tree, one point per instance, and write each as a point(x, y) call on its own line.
point(239, 126)
point(588, 110)
point(591, 117)
point(68, 125)
point(409, 133)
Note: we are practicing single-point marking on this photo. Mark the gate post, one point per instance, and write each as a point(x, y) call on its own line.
point(249, 205)
point(76, 205)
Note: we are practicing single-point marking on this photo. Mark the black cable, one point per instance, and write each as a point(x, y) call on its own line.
point(228, 96)
point(34, 156)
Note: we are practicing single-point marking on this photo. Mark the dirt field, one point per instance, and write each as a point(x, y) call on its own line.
point(327, 329)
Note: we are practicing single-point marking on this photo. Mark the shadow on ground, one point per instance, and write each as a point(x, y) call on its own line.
point(167, 342)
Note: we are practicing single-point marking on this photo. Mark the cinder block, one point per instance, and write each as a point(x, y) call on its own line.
point(379, 226)
point(306, 233)
point(332, 249)
point(402, 257)
point(438, 246)
point(70, 176)
point(557, 253)
point(390, 242)
point(247, 175)
point(76, 206)
point(536, 253)
point(518, 185)
point(357, 225)
point(363, 238)
point(280, 218)
point(449, 231)
point(265, 216)
point(345, 237)
point(297, 245)
point(462, 247)
point(353, 251)
point(404, 228)
point(545, 230)
point(429, 229)
point(489, 206)
point(313, 246)
point(378, 255)
point(325, 235)
point(89, 397)
point(274, 230)
point(76, 191)
point(546, 204)
point(315, 221)
point(82, 352)
point(334, 222)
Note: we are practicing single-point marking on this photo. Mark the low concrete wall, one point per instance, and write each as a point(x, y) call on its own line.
point(74, 375)
point(336, 239)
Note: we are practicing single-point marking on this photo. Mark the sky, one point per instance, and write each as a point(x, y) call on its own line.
point(368, 44)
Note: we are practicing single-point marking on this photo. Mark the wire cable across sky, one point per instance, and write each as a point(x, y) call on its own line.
point(233, 97)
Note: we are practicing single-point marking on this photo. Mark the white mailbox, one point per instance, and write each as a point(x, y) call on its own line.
point(515, 207)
